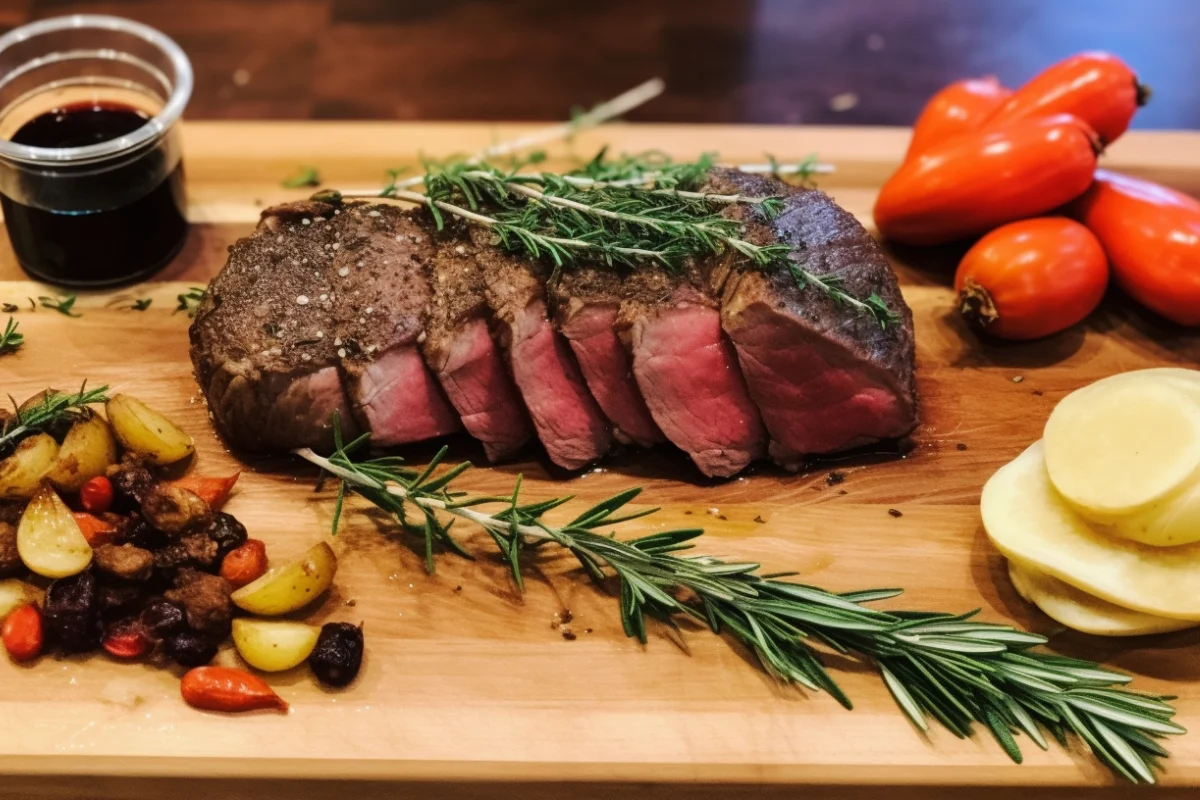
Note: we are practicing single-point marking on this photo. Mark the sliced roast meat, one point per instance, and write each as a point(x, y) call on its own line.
point(825, 376)
point(271, 383)
point(687, 370)
point(378, 258)
point(569, 423)
point(318, 313)
point(586, 301)
point(460, 350)
point(359, 311)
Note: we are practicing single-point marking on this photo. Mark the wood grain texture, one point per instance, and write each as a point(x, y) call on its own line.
point(476, 684)
point(760, 61)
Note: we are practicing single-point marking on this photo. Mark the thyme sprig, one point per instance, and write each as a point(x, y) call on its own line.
point(676, 222)
point(54, 408)
point(63, 305)
point(950, 667)
point(10, 340)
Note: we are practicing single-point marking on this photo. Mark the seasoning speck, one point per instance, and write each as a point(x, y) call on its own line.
point(895, 512)
point(1018, 378)
point(458, 588)
point(341, 352)
point(460, 249)
point(569, 635)
point(302, 300)
point(712, 512)
point(834, 478)
point(758, 518)
point(336, 245)
point(306, 221)
point(324, 297)
point(351, 603)
point(373, 214)
point(960, 447)
point(1037, 392)
point(337, 342)
point(566, 615)
point(344, 271)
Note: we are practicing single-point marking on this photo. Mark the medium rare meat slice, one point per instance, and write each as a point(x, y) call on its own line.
point(270, 385)
point(826, 377)
point(377, 261)
point(687, 371)
point(459, 349)
point(567, 420)
point(586, 301)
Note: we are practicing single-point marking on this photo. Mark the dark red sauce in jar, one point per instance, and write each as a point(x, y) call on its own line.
point(95, 244)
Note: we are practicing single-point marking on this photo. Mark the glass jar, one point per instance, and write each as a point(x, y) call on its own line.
point(91, 173)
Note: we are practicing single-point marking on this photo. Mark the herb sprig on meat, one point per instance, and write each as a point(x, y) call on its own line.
point(628, 211)
point(950, 667)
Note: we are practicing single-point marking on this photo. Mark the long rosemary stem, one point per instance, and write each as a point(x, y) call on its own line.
point(951, 667)
point(549, 243)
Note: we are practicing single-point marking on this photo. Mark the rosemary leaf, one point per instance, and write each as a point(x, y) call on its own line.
point(10, 340)
point(305, 176)
point(62, 305)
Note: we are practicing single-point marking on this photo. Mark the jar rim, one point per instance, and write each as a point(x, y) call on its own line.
point(181, 88)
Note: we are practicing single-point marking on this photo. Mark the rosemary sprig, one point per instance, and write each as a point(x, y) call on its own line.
point(190, 300)
point(63, 305)
point(10, 340)
point(53, 408)
point(946, 666)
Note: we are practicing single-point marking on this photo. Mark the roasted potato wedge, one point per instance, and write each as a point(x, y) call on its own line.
point(87, 450)
point(146, 432)
point(289, 588)
point(272, 645)
point(22, 472)
point(48, 538)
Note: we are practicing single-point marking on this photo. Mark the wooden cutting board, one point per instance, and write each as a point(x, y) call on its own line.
point(467, 680)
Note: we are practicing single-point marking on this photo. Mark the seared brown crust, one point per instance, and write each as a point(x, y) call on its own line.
point(827, 240)
point(303, 294)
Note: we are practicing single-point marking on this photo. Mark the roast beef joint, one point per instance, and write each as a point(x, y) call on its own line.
point(368, 312)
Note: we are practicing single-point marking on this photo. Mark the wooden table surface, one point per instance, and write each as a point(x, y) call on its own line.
point(758, 61)
point(475, 690)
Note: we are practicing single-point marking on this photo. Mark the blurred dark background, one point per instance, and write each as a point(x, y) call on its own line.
point(759, 61)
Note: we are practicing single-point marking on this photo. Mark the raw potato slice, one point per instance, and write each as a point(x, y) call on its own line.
point(283, 590)
point(1030, 523)
point(22, 472)
point(49, 540)
point(1082, 612)
point(1155, 501)
point(86, 451)
point(273, 646)
point(144, 431)
point(1114, 448)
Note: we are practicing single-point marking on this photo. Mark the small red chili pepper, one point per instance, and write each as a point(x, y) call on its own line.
point(22, 633)
point(226, 689)
point(96, 495)
point(127, 643)
point(214, 491)
point(97, 531)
